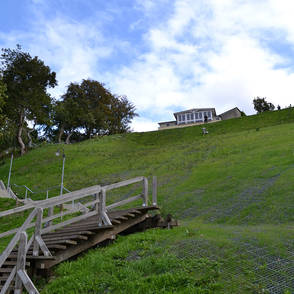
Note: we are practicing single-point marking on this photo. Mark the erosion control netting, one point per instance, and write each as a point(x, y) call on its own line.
point(265, 270)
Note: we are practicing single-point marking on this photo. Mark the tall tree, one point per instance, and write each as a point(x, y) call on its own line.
point(261, 105)
point(3, 97)
point(122, 113)
point(91, 109)
point(27, 79)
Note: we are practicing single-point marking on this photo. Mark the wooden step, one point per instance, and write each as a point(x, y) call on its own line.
point(13, 262)
point(67, 241)
point(121, 218)
point(63, 233)
point(6, 269)
point(50, 238)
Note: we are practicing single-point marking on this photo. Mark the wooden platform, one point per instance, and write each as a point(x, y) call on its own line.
point(56, 235)
point(75, 238)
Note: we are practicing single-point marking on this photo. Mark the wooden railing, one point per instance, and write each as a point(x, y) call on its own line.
point(45, 224)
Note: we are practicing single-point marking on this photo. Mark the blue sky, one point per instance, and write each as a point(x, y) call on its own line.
point(165, 55)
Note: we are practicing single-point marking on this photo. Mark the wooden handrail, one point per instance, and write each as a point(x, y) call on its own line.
point(54, 200)
point(36, 240)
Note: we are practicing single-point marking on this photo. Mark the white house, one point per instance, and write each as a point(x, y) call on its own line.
point(198, 116)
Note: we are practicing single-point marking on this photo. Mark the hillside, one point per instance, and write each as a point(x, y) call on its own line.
point(231, 189)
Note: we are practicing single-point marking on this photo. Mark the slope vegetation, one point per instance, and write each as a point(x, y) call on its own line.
point(231, 189)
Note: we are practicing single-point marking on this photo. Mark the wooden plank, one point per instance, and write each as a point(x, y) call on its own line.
point(55, 246)
point(63, 237)
point(123, 202)
point(13, 262)
point(8, 281)
point(21, 261)
point(54, 200)
point(121, 218)
point(68, 197)
point(145, 191)
point(115, 221)
point(37, 233)
point(104, 235)
point(154, 190)
point(2, 186)
point(136, 211)
point(16, 210)
point(16, 237)
point(130, 214)
point(66, 241)
point(27, 282)
point(43, 246)
point(123, 183)
point(67, 222)
point(106, 219)
point(65, 233)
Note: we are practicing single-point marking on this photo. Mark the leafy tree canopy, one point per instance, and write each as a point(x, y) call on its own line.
point(261, 105)
point(27, 79)
point(91, 109)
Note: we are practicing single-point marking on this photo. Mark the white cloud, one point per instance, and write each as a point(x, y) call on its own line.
point(211, 53)
point(200, 53)
point(143, 125)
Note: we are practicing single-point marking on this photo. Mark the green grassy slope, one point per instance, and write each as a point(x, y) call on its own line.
point(232, 189)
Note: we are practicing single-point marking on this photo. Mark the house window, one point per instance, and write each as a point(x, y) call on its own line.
point(200, 115)
point(167, 125)
point(179, 117)
point(183, 117)
point(192, 116)
point(188, 116)
point(196, 115)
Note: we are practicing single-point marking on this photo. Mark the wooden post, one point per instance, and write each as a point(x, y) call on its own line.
point(21, 261)
point(154, 191)
point(38, 228)
point(99, 207)
point(145, 191)
point(50, 213)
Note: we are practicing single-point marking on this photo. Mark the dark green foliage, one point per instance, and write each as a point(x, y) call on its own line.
point(261, 105)
point(27, 79)
point(89, 109)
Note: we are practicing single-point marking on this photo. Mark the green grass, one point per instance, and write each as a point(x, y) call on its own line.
point(230, 188)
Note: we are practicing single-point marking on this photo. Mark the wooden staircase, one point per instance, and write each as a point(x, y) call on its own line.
point(52, 243)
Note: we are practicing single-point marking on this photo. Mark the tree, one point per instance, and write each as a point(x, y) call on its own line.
point(122, 113)
point(27, 80)
point(261, 105)
point(3, 97)
point(89, 109)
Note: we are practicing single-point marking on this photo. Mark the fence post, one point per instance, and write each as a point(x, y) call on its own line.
point(50, 213)
point(154, 191)
point(21, 261)
point(145, 191)
point(38, 227)
point(99, 207)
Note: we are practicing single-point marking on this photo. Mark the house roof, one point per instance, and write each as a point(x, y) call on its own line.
point(229, 111)
point(195, 110)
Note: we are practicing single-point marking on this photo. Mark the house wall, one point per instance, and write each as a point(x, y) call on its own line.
point(185, 125)
point(167, 125)
point(233, 113)
point(194, 117)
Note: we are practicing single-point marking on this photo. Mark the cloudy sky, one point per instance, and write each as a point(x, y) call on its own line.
point(165, 55)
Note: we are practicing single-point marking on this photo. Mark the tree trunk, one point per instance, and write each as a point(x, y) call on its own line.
point(60, 134)
point(30, 144)
point(67, 141)
point(19, 133)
